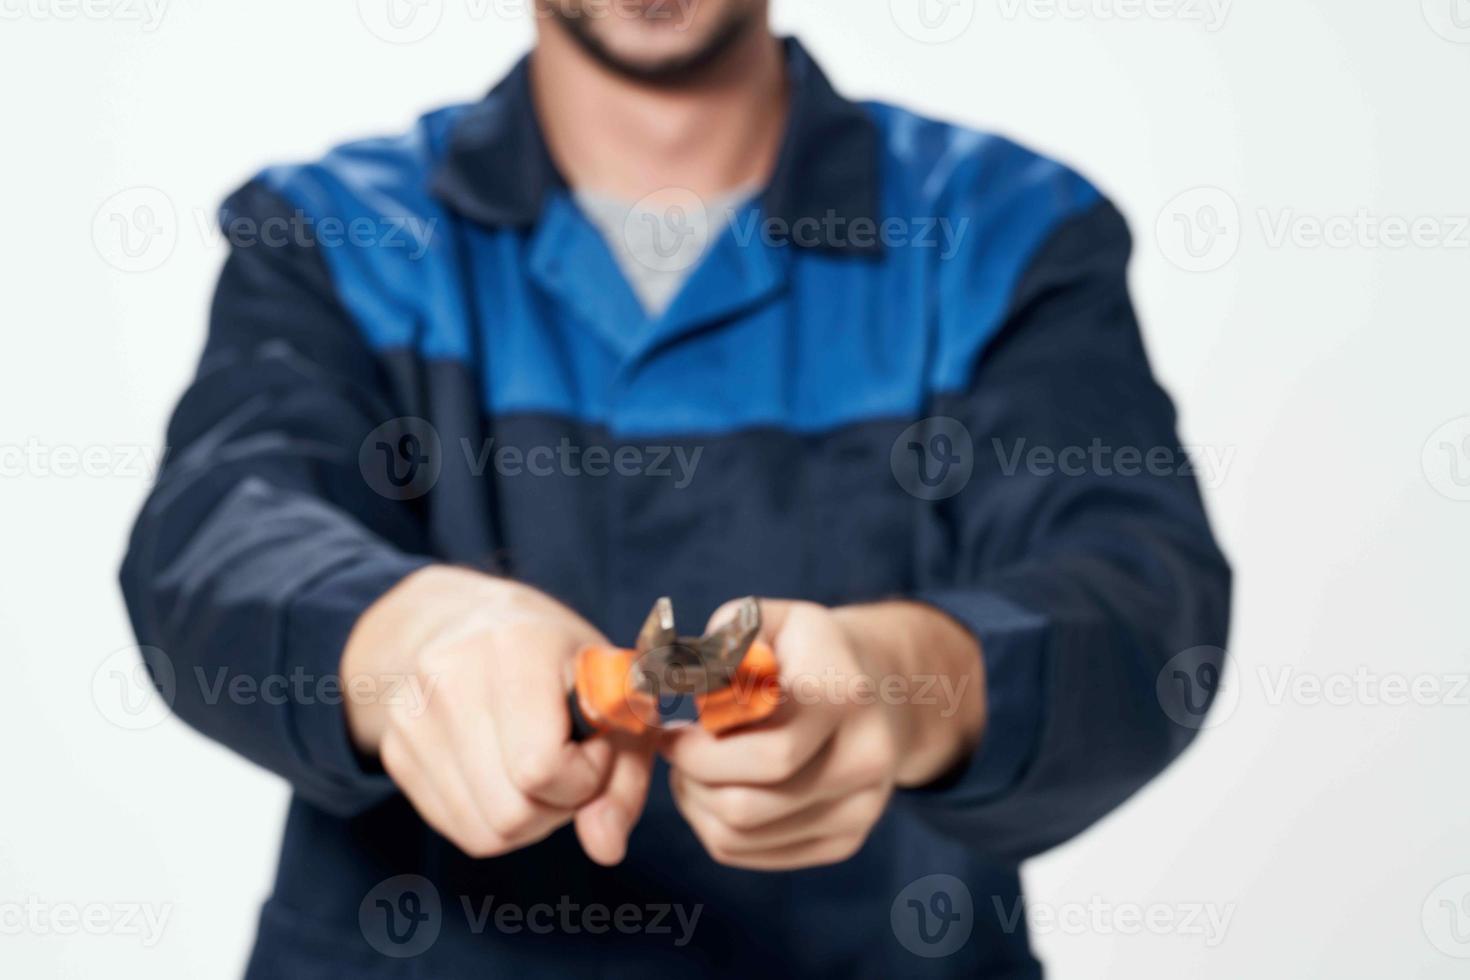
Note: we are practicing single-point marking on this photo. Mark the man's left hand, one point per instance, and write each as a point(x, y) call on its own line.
point(874, 697)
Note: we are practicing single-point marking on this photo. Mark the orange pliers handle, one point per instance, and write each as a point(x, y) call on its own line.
point(605, 697)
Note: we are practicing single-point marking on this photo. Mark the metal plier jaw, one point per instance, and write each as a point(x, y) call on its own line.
point(725, 679)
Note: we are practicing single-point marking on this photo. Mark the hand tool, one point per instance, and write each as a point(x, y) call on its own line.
point(728, 678)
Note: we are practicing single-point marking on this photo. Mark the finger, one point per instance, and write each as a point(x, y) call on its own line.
point(604, 824)
point(406, 771)
point(768, 754)
point(842, 817)
point(517, 818)
point(809, 854)
point(533, 727)
point(746, 805)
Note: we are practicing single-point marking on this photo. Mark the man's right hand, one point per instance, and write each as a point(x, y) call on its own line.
point(483, 749)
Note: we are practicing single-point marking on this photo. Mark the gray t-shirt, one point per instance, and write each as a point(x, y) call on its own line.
point(659, 241)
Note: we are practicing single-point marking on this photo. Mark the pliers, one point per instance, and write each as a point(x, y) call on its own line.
point(726, 678)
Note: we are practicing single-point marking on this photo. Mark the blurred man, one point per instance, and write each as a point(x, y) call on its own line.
point(665, 314)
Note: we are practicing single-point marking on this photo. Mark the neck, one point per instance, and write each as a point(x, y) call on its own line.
point(616, 136)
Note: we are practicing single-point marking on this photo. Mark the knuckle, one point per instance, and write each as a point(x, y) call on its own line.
point(512, 820)
point(481, 843)
point(725, 858)
point(847, 847)
point(740, 808)
point(533, 770)
point(873, 767)
point(803, 609)
point(781, 759)
point(392, 755)
point(400, 718)
point(719, 838)
point(431, 660)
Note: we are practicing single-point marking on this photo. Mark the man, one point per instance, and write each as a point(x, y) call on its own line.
point(470, 402)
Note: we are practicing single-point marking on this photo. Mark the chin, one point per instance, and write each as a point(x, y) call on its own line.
point(673, 42)
point(651, 49)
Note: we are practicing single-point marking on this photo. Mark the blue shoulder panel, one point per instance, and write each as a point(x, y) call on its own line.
point(825, 339)
point(389, 244)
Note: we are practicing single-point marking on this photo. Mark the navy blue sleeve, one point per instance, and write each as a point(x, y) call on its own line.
point(1078, 554)
point(262, 543)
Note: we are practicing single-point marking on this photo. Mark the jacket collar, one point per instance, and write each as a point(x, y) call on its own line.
point(497, 170)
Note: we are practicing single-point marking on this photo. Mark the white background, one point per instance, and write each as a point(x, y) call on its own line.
point(1319, 375)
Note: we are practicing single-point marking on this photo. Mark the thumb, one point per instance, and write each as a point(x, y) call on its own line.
point(605, 822)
